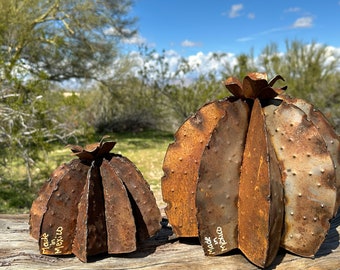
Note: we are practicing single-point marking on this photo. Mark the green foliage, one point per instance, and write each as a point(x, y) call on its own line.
point(306, 67)
point(178, 91)
point(245, 64)
point(42, 42)
point(14, 198)
point(59, 40)
point(129, 106)
point(31, 125)
point(184, 100)
point(146, 150)
point(311, 72)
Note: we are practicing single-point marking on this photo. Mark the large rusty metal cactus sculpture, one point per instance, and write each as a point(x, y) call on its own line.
point(97, 203)
point(254, 171)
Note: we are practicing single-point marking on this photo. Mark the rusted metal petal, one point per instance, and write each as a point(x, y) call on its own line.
point(105, 148)
point(218, 182)
point(75, 148)
point(146, 212)
point(275, 79)
point(90, 236)
point(93, 147)
point(59, 222)
point(308, 178)
point(253, 84)
point(39, 205)
point(270, 93)
point(120, 223)
point(327, 132)
point(92, 151)
point(81, 152)
point(261, 207)
point(181, 165)
point(235, 87)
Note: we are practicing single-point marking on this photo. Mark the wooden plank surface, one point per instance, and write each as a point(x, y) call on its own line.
point(18, 250)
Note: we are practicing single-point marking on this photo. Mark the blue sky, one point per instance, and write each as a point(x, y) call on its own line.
point(203, 26)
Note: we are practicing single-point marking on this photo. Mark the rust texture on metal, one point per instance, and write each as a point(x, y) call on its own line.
point(285, 188)
point(39, 206)
point(328, 134)
point(181, 165)
point(59, 221)
point(219, 173)
point(260, 200)
point(121, 229)
point(145, 213)
point(308, 176)
point(95, 204)
point(90, 235)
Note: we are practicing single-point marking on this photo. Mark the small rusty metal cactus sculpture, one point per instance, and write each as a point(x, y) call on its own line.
point(254, 171)
point(95, 204)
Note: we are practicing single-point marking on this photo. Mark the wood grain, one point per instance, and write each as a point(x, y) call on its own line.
point(18, 250)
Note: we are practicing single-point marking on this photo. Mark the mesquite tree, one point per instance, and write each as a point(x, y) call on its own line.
point(42, 42)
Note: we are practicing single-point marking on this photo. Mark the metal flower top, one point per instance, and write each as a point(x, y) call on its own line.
point(93, 151)
point(255, 85)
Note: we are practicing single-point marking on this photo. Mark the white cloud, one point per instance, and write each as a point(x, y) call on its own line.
point(200, 63)
point(205, 63)
point(188, 43)
point(245, 39)
point(234, 11)
point(292, 9)
point(135, 40)
point(303, 22)
point(112, 31)
point(332, 53)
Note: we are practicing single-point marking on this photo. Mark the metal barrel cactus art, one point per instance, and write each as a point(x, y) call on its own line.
point(254, 171)
point(95, 204)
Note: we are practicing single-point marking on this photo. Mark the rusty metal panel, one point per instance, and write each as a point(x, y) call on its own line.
point(90, 236)
point(120, 223)
point(146, 212)
point(181, 165)
point(218, 182)
point(308, 178)
point(327, 132)
point(277, 207)
point(260, 203)
point(59, 221)
point(39, 205)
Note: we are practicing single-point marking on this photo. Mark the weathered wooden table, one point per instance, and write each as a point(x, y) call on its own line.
point(18, 250)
